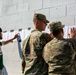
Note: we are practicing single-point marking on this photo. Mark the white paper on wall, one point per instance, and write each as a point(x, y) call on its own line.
point(5, 36)
point(11, 34)
point(22, 34)
point(66, 31)
point(47, 30)
point(69, 28)
point(27, 32)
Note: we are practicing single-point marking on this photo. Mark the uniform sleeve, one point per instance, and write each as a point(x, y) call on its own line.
point(46, 53)
point(47, 37)
point(23, 63)
point(70, 55)
point(73, 42)
point(23, 45)
point(39, 43)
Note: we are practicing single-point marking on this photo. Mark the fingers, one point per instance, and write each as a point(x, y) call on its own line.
point(73, 30)
point(72, 33)
point(16, 35)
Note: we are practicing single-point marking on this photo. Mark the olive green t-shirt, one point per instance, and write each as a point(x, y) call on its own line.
point(1, 57)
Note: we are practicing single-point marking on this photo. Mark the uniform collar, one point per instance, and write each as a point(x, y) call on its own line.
point(34, 30)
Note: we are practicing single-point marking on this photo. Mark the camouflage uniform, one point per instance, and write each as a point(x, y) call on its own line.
point(73, 42)
point(34, 63)
point(60, 54)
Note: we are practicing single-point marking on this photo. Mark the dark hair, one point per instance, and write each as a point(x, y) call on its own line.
point(0, 30)
point(56, 32)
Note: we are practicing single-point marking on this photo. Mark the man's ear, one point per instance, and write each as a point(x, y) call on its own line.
point(37, 21)
point(62, 31)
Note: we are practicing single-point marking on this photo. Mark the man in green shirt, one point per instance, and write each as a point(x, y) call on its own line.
point(59, 53)
point(33, 62)
point(1, 54)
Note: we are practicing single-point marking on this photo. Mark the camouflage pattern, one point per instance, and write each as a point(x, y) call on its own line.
point(59, 54)
point(73, 42)
point(41, 17)
point(34, 63)
point(55, 26)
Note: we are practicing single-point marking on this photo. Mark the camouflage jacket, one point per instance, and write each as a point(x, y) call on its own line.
point(59, 54)
point(34, 63)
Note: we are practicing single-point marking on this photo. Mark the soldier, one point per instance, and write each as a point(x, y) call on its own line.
point(33, 62)
point(59, 52)
point(1, 54)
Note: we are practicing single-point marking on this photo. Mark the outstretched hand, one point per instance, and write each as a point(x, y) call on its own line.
point(72, 33)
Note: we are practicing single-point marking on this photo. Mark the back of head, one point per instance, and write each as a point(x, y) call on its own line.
point(40, 21)
point(41, 17)
point(56, 27)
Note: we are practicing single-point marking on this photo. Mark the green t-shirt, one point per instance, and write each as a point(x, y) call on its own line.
point(0, 43)
point(1, 57)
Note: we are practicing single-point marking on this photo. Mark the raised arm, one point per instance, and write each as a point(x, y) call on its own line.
point(10, 40)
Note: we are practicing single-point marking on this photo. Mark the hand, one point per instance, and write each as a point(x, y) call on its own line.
point(72, 33)
point(16, 36)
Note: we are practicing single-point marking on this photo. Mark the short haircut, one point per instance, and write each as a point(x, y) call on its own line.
point(34, 19)
point(56, 32)
point(0, 30)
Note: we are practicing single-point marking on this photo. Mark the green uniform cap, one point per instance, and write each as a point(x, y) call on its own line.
point(55, 26)
point(41, 17)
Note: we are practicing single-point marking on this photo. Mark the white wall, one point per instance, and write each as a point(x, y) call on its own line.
point(16, 14)
point(19, 13)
